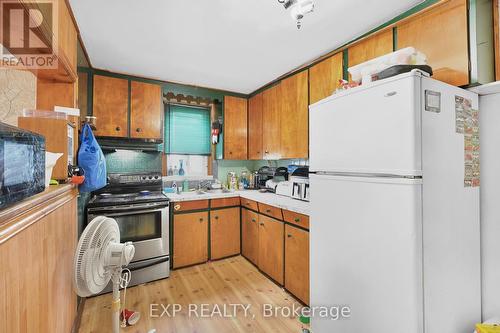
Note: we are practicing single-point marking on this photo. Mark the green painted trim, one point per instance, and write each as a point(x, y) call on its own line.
point(90, 94)
point(394, 38)
point(129, 108)
point(186, 89)
point(423, 5)
point(193, 211)
point(345, 64)
point(222, 208)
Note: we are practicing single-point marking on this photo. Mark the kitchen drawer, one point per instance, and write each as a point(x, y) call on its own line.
point(183, 206)
point(270, 211)
point(250, 204)
point(225, 202)
point(296, 218)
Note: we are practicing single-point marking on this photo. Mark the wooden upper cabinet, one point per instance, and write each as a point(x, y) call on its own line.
point(67, 38)
point(294, 118)
point(110, 106)
point(224, 232)
point(371, 47)
point(441, 34)
point(271, 105)
point(324, 78)
point(235, 128)
point(255, 127)
point(146, 111)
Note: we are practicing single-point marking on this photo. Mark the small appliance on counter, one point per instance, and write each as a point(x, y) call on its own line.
point(284, 188)
point(22, 164)
point(140, 208)
point(59, 133)
point(300, 184)
point(272, 176)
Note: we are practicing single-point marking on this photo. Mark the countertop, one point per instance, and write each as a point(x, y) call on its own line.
point(272, 199)
point(22, 214)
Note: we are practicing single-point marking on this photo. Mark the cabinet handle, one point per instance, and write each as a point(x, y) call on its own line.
point(297, 220)
point(268, 210)
point(201, 219)
point(177, 207)
point(289, 236)
point(216, 217)
point(118, 128)
point(247, 203)
point(138, 130)
point(267, 152)
point(262, 224)
point(230, 153)
point(253, 220)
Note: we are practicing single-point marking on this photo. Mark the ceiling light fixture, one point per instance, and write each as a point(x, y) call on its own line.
point(298, 9)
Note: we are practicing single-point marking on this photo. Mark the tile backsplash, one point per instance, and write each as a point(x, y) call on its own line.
point(122, 161)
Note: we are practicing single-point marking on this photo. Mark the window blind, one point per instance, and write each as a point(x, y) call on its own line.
point(187, 130)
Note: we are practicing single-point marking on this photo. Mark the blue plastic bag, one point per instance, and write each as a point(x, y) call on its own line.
point(91, 160)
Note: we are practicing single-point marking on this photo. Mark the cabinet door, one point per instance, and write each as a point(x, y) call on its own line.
point(271, 122)
point(324, 78)
point(297, 262)
point(110, 106)
point(271, 247)
point(255, 127)
point(146, 111)
point(224, 232)
point(235, 128)
point(190, 239)
point(250, 235)
point(441, 34)
point(294, 118)
point(371, 47)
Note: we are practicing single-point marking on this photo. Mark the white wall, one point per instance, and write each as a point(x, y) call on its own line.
point(490, 203)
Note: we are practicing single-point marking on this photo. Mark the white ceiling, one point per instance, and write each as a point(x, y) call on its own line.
point(235, 45)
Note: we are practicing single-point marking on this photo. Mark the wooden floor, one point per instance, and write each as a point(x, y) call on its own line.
point(228, 281)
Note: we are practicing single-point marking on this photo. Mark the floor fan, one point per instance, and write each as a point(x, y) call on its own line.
point(100, 258)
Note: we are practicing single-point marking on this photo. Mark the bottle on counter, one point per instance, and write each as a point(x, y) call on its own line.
point(176, 171)
point(232, 181)
point(181, 168)
point(170, 171)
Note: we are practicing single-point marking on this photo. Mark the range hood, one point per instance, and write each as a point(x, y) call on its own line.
point(112, 144)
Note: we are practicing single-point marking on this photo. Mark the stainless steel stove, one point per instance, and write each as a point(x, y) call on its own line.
point(140, 208)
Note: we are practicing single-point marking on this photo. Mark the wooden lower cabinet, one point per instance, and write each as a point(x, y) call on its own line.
point(224, 232)
point(190, 239)
point(38, 237)
point(250, 235)
point(297, 262)
point(271, 245)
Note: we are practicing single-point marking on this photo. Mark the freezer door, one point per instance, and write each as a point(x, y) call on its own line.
point(366, 253)
point(369, 130)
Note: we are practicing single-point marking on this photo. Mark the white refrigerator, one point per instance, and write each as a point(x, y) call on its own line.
point(394, 233)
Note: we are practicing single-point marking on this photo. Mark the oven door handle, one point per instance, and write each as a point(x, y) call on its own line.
point(111, 212)
point(127, 207)
point(149, 264)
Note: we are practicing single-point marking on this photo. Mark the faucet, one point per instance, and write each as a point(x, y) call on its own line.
point(204, 184)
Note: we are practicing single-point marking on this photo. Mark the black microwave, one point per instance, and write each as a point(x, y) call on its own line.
point(22, 164)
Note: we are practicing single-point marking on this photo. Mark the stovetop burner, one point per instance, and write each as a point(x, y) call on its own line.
point(130, 189)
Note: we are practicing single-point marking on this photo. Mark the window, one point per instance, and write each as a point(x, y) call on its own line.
point(187, 130)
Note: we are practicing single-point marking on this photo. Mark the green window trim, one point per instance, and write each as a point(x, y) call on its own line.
point(187, 130)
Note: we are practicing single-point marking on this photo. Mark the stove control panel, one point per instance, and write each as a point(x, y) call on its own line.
point(132, 179)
